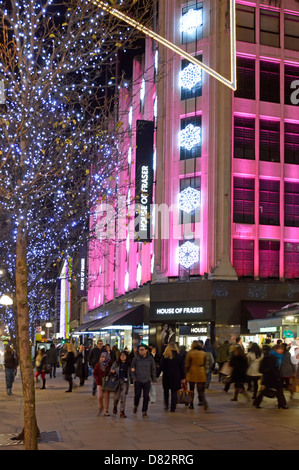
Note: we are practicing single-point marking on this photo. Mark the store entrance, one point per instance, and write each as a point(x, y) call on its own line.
point(193, 332)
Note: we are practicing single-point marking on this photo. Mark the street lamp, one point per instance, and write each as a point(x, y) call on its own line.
point(48, 326)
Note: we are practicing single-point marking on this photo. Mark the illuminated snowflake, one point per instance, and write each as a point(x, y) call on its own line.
point(190, 76)
point(188, 254)
point(191, 21)
point(190, 136)
point(189, 199)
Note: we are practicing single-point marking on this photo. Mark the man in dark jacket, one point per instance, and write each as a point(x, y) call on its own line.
point(94, 358)
point(10, 364)
point(143, 370)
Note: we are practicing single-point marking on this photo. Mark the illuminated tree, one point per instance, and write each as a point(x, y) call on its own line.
point(59, 141)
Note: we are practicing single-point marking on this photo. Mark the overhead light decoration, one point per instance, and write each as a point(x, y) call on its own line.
point(190, 76)
point(190, 137)
point(189, 199)
point(188, 254)
point(191, 21)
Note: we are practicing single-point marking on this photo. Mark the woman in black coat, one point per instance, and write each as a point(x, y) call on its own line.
point(82, 364)
point(69, 367)
point(239, 365)
point(172, 366)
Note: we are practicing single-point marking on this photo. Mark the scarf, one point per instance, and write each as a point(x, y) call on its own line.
point(104, 364)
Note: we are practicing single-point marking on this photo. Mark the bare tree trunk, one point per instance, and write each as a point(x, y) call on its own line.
point(25, 360)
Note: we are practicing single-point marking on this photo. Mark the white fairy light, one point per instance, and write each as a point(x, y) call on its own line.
point(190, 76)
point(191, 21)
point(189, 199)
point(188, 254)
point(138, 274)
point(190, 136)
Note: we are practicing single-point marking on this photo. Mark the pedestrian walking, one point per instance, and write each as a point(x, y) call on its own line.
point(41, 366)
point(271, 380)
point(223, 355)
point(288, 370)
point(10, 365)
point(94, 358)
point(69, 367)
point(195, 366)
point(172, 366)
point(121, 368)
point(52, 356)
point(143, 371)
point(82, 364)
point(238, 363)
point(254, 357)
point(101, 370)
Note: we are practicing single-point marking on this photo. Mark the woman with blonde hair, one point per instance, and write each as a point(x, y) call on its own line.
point(172, 366)
point(195, 364)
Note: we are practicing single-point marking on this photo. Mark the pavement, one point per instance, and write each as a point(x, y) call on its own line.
point(69, 421)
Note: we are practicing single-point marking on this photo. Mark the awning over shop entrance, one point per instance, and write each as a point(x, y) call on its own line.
point(133, 316)
point(260, 310)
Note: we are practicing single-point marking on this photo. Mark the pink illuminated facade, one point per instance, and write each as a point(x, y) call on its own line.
point(225, 247)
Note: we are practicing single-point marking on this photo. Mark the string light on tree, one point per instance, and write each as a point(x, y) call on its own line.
point(190, 137)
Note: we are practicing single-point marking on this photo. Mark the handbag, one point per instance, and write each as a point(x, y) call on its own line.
point(110, 383)
point(226, 369)
point(184, 396)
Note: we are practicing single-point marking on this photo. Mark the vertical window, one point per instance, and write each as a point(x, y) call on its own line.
point(190, 138)
point(291, 143)
point(270, 82)
point(269, 202)
point(291, 32)
point(291, 260)
point(269, 258)
point(269, 141)
point(243, 200)
point(246, 78)
point(244, 133)
point(270, 27)
point(191, 22)
point(190, 79)
point(245, 23)
point(291, 83)
point(291, 204)
point(189, 200)
point(243, 257)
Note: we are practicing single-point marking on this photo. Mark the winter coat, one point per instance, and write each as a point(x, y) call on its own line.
point(100, 374)
point(195, 365)
point(52, 355)
point(239, 366)
point(69, 367)
point(223, 353)
point(144, 369)
point(41, 363)
point(254, 364)
point(271, 376)
point(82, 365)
point(95, 355)
point(10, 359)
point(173, 371)
point(287, 368)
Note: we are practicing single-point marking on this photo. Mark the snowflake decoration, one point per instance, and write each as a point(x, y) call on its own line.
point(190, 136)
point(189, 199)
point(191, 21)
point(188, 254)
point(190, 76)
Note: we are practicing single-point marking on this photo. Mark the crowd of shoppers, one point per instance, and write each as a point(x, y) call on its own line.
point(266, 371)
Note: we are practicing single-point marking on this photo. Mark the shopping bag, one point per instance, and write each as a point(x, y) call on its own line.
point(153, 394)
point(226, 369)
point(110, 383)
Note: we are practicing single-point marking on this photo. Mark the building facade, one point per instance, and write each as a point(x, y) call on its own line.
point(223, 178)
